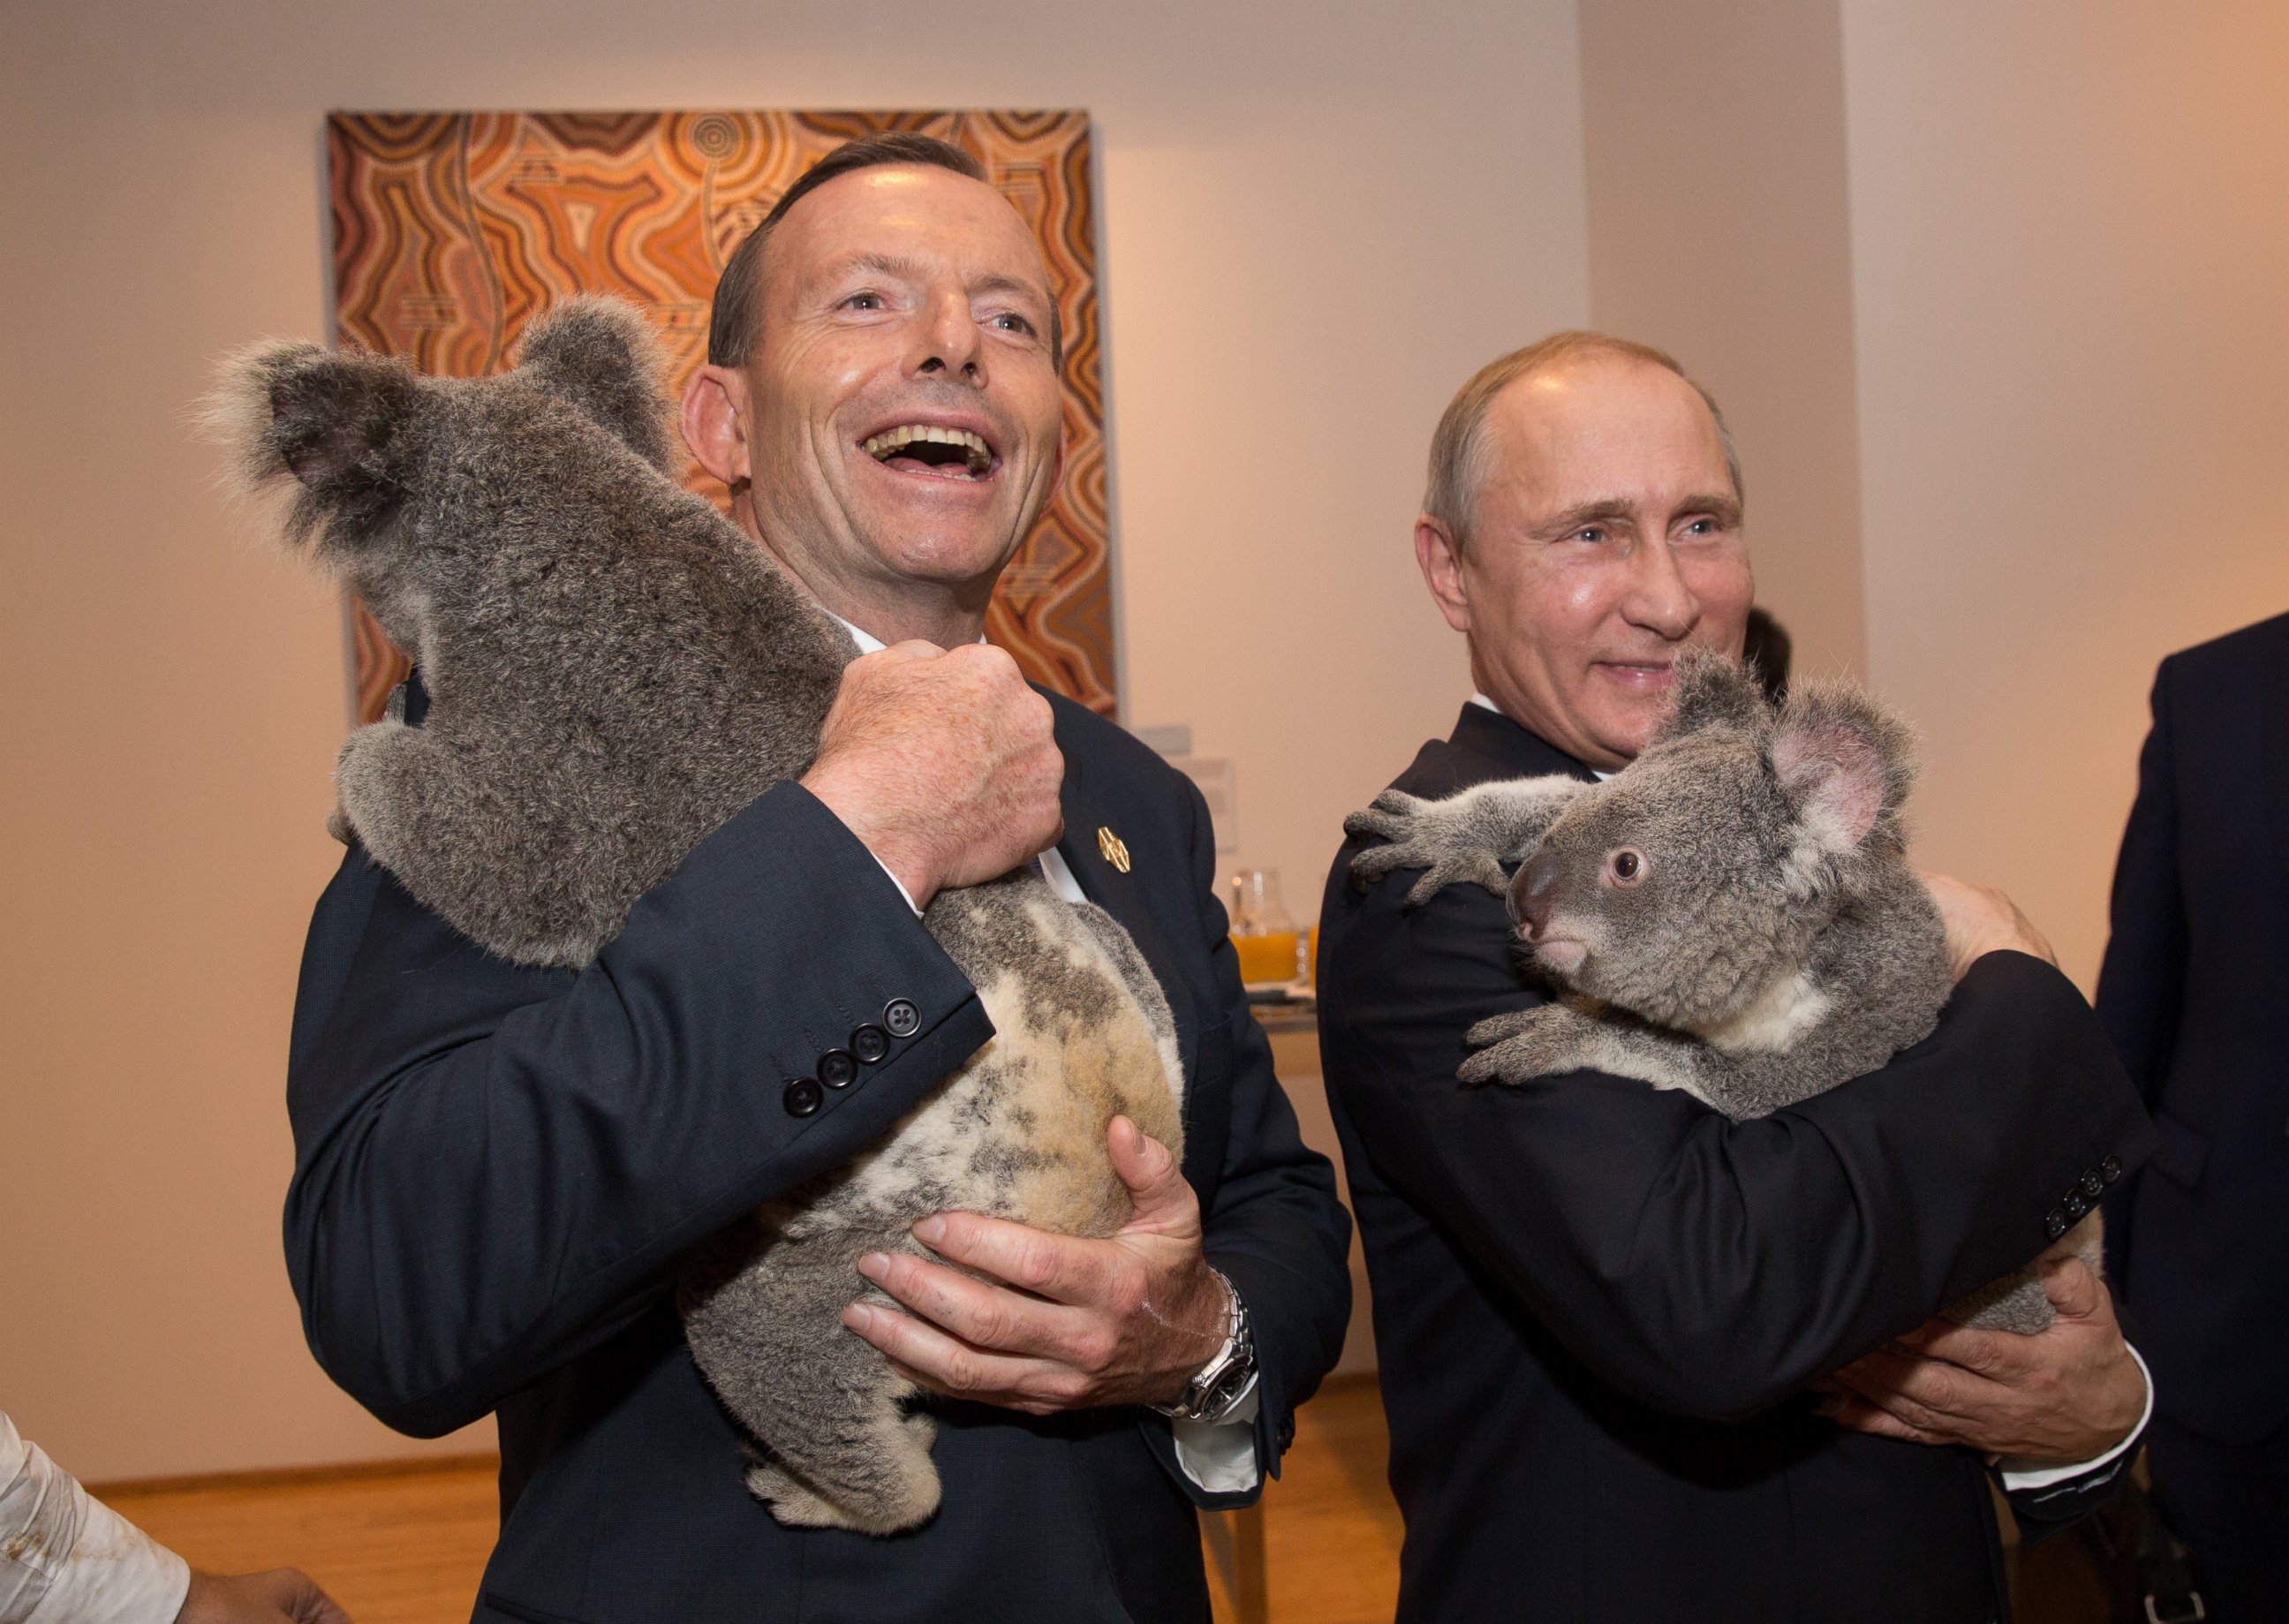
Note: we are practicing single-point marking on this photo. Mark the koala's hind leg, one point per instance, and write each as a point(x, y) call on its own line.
point(2017, 1302)
point(844, 1451)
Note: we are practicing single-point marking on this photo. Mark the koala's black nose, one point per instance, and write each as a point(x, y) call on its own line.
point(1534, 891)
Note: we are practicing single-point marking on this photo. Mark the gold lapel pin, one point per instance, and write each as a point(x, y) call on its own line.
point(1111, 848)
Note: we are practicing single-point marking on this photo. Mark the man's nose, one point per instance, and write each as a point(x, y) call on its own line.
point(1660, 599)
point(949, 341)
point(1535, 893)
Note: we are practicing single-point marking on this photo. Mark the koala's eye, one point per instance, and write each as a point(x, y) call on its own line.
point(1627, 866)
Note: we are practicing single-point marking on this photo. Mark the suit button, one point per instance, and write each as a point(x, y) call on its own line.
point(2056, 1224)
point(2091, 1184)
point(2077, 1204)
point(2111, 1169)
point(901, 1017)
point(837, 1068)
point(802, 1098)
point(870, 1043)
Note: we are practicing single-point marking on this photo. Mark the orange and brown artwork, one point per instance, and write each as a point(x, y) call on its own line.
point(451, 230)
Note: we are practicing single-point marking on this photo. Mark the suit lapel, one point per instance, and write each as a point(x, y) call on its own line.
point(1122, 896)
point(2271, 742)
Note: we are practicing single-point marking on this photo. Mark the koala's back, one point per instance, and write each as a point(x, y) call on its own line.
point(614, 670)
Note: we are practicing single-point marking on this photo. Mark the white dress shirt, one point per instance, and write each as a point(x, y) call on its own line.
point(1220, 1456)
point(68, 1558)
point(2042, 1477)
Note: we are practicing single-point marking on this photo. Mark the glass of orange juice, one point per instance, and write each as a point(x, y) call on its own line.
point(1262, 933)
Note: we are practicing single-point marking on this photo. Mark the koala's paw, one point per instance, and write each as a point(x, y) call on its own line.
point(1429, 835)
point(1526, 1043)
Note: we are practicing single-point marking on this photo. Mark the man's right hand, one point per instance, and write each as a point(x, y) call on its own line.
point(282, 1596)
point(1981, 920)
point(942, 762)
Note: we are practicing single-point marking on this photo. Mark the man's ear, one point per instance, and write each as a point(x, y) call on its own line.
point(1846, 762)
point(714, 418)
point(1441, 559)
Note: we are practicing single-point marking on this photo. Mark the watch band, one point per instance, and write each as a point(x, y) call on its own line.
point(1225, 1378)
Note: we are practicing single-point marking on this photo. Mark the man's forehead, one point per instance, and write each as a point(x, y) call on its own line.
point(1616, 412)
point(906, 219)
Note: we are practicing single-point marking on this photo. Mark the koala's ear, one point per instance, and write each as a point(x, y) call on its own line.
point(602, 355)
point(1710, 690)
point(337, 425)
point(1846, 762)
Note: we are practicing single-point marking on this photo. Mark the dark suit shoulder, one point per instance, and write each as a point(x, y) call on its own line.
point(2254, 653)
point(1484, 746)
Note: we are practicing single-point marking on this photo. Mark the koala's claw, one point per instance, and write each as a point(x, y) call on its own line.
point(1526, 1043)
point(1418, 838)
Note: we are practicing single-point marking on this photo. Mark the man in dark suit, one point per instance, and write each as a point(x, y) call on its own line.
point(1600, 1306)
point(498, 1171)
point(2195, 993)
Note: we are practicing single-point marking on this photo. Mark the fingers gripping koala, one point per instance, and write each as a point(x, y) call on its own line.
point(1732, 915)
point(614, 671)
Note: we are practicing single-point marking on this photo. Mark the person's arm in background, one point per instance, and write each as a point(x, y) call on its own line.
point(1707, 1266)
point(497, 1167)
point(2142, 978)
point(68, 1558)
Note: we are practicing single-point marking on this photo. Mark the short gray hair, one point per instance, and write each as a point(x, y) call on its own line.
point(1461, 451)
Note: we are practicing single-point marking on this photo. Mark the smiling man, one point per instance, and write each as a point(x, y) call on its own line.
point(1600, 1307)
point(501, 1171)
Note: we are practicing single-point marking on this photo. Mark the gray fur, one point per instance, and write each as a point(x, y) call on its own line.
point(1773, 941)
point(614, 671)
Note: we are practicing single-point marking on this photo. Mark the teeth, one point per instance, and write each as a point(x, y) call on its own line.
point(890, 442)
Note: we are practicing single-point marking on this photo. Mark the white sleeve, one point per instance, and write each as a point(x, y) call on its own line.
point(2043, 1478)
point(1220, 1456)
point(68, 1558)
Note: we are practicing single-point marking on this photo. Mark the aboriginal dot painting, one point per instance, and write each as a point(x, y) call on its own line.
point(453, 230)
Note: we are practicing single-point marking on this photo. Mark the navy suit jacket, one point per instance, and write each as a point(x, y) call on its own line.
point(498, 1172)
point(1599, 1304)
point(2195, 993)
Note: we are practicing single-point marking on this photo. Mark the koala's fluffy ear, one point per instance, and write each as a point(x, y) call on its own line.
point(602, 355)
point(340, 425)
point(1711, 690)
point(1846, 762)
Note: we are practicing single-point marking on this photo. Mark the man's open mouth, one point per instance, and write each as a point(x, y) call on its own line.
point(926, 447)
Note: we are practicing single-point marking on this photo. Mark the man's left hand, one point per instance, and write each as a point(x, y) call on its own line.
point(2066, 1395)
point(1128, 1319)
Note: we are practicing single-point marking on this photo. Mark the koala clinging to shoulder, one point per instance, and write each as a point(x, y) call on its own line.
point(1731, 914)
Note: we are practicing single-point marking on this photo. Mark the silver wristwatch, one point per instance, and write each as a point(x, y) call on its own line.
point(1225, 1380)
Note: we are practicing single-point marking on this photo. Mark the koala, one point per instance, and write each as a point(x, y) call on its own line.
point(1732, 915)
point(614, 671)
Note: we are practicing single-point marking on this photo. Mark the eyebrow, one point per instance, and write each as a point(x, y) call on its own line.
point(1609, 510)
point(899, 265)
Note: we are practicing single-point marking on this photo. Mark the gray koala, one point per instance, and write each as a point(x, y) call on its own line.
point(1731, 914)
point(614, 671)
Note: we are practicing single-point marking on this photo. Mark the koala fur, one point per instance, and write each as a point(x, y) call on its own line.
point(1731, 914)
point(614, 671)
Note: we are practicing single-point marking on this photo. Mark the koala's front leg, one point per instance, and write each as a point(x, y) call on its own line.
point(1558, 1038)
point(1466, 837)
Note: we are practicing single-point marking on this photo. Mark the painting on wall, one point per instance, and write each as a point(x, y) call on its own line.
point(451, 230)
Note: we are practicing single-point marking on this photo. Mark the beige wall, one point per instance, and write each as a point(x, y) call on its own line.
point(1720, 230)
point(1298, 272)
point(2072, 283)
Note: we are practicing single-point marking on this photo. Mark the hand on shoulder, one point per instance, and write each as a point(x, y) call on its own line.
point(1980, 920)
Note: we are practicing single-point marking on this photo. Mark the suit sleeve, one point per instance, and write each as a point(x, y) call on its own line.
point(497, 1168)
point(1706, 1267)
point(1276, 1227)
point(2142, 977)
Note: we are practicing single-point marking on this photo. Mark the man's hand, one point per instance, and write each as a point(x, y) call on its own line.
point(1981, 920)
point(942, 762)
point(2067, 1394)
point(1130, 1319)
point(282, 1596)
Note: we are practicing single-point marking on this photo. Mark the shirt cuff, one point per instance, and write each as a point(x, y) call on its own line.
point(1220, 1456)
point(68, 1558)
point(895, 880)
point(2019, 1483)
